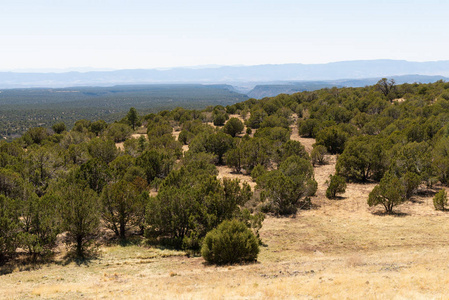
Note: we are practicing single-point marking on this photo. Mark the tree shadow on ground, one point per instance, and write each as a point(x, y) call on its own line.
point(228, 265)
point(85, 260)
point(24, 262)
point(429, 192)
point(416, 200)
point(337, 198)
point(383, 213)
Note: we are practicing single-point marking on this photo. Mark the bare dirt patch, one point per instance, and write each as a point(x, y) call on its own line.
point(224, 171)
point(136, 135)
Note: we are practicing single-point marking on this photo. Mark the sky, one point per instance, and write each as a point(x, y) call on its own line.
point(130, 34)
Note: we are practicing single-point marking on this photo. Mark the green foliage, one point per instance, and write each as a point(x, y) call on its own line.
point(200, 163)
point(275, 134)
point(233, 127)
point(189, 204)
point(231, 242)
point(77, 154)
point(335, 185)
point(98, 127)
point(9, 224)
point(275, 121)
point(362, 159)
point(410, 181)
point(309, 127)
point(373, 135)
point(216, 143)
point(318, 155)
point(168, 214)
point(290, 148)
point(413, 157)
point(155, 164)
point(120, 206)
point(333, 138)
point(132, 117)
point(82, 125)
point(256, 151)
point(234, 159)
point(440, 200)
point(95, 174)
point(35, 135)
point(11, 184)
point(121, 165)
point(159, 129)
point(40, 222)
point(59, 127)
point(389, 193)
point(387, 87)
point(288, 187)
point(104, 150)
point(80, 216)
point(258, 171)
point(440, 161)
point(256, 118)
point(118, 132)
point(43, 106)
point(185, 137)
point(219, 119)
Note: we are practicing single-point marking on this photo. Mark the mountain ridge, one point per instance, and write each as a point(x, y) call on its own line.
point(227, 74)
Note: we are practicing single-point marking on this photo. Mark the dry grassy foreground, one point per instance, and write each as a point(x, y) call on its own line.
point(336, 251)
point(340, 249)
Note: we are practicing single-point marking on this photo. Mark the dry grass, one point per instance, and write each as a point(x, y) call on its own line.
point(224, 171)
point(341, 249)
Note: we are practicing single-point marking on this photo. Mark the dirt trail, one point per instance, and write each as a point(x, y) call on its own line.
point(353, 200)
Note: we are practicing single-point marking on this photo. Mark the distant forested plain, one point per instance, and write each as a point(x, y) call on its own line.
point(21, 109)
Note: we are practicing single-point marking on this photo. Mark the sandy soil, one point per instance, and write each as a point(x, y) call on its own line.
point(224, 171)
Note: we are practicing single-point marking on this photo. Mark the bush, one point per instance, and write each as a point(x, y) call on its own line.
point(288, 188)
point(258, 170)
point(9, 224)
point(440, 200)
point(318, 155)
point(219, 119)
point(231, 242)
point(233, 127)
point(59, 127)
point(389, 192)
point(337, 184)
point(411, 182)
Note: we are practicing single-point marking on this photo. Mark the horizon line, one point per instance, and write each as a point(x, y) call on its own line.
point(197, 67)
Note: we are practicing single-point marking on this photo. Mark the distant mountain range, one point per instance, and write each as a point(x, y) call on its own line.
point(242, 77)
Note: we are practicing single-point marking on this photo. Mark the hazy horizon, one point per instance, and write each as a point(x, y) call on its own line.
point(84, 69)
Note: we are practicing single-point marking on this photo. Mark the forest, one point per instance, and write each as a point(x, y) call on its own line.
point(21, 109)
point(153, 177)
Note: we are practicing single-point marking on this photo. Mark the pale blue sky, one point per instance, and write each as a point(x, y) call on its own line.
point(154, 34)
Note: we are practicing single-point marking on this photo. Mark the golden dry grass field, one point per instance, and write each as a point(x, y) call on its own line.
point(340, 249)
